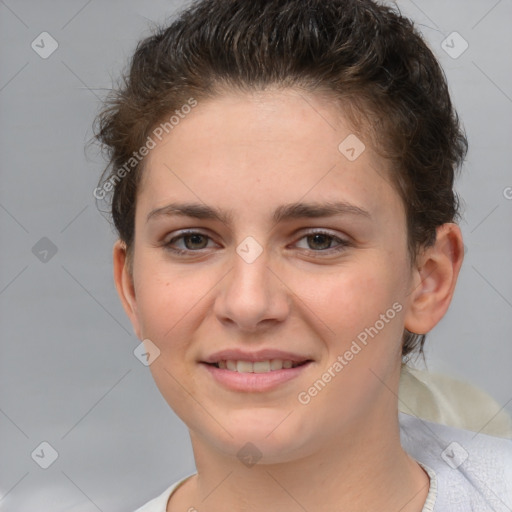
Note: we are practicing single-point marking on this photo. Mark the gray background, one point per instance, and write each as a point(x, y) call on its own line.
point(68, 375)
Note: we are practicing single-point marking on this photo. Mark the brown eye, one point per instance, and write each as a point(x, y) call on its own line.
point(189, 242)
point(319, 241)
point(195, 241)
point(322, 242)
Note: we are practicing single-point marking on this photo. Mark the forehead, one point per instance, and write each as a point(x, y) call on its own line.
point(277, 146)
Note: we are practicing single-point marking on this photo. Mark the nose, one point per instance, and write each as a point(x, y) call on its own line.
point(252, 296)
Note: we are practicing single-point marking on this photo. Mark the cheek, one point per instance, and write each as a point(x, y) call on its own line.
point(351, 299)
point(168, 306)
point(166, 302)
point(363, 311)
point(172, 305)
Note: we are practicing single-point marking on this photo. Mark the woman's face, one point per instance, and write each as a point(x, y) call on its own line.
point(264, 226)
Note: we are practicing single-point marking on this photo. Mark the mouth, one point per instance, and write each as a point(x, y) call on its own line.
point(254, 376)
point(266, 366)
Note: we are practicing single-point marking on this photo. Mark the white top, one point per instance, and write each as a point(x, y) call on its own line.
point(468, 472)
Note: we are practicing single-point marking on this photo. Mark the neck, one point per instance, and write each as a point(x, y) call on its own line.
point(363, 469)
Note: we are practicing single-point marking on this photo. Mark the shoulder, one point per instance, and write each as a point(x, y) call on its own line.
point(443, 399)
point(159, 504)
point(473, 470)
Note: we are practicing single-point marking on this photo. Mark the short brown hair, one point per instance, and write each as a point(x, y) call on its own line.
point(367, 57)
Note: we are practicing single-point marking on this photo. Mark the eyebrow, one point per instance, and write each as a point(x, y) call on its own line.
point(290, 211)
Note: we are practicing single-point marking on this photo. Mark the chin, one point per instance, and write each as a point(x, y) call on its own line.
point(265, 437)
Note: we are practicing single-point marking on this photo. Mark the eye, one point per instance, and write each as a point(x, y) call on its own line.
point(191, 241)
point(315, 242)
point(321, 241)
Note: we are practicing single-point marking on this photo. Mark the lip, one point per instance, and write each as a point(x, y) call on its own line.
point(260, 355)
point(254, 382)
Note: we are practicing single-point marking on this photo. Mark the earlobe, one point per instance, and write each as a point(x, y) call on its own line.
point(434, 280)
point(124, 284)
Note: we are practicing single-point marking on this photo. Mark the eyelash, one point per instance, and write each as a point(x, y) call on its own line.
point(342, 244)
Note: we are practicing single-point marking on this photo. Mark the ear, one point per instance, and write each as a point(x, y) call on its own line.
point(125, 286)
point(434, 278)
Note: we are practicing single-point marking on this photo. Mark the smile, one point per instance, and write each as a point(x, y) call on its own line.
point(254, 376)
point(269, 365)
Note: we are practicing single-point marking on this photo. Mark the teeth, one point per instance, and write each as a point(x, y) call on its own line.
point(276, 364)
point(244, 367)
point(256, 367)
point(260, 366)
